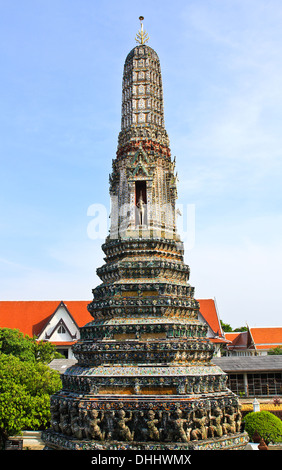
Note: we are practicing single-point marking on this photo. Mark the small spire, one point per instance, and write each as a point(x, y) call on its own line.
point(141, 36)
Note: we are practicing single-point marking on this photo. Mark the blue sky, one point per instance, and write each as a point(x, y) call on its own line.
point(60, 94)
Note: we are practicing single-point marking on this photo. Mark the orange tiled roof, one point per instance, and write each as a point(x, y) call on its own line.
point(256, 338)
point(62, 343)
point(268, 337)
point(232, 335)
point(218, 340)
point(30, 317)
point(239, 339)
point(208, 310)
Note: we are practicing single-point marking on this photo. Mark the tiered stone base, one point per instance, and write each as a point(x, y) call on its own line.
point(81, 422)
point(56, 441)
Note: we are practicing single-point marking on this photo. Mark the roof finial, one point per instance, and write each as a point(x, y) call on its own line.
point(141, 36)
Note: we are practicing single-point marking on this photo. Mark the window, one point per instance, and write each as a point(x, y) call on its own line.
point(61, 329)
point(263, 384)
point(140, 191)
point(64, 352)
point(236, 383)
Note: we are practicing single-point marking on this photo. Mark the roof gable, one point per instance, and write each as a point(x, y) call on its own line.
point(209, 313)
point(239, 339)
point(232, 335)
point(61, 326)
point(62, 329)
point(31, 317)
point(256, 338)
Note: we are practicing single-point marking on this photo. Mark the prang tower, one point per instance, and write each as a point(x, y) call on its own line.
point(144, 377)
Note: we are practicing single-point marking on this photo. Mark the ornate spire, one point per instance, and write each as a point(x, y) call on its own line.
point(144, 376)
point(141, 36)
point(142, 94)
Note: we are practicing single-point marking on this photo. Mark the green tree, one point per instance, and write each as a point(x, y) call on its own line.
point(228, 328)
point(267, 425)
point(242, 328)
point(25, 389)
point(26, 382)
point(13, 341)
point(275, 351)
point(225, 326)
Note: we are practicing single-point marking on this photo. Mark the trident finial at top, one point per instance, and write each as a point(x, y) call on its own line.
point(141, 36)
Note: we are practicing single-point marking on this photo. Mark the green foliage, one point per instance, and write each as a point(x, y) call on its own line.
point(268, 426)
point(225, 326)
point(24, 347)
point(25, 389)
point(45, 352)
point(228, 328)
point(275, 351)
point(26, 382)
point(15, 343)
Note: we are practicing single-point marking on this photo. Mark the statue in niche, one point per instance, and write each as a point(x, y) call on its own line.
point(182, 385)
point(137, 387)
point(141, 210)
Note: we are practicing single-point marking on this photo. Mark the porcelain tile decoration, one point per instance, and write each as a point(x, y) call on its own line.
point(144, 377)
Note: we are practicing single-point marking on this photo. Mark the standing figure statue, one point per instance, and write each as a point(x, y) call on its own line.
point(141, 210)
